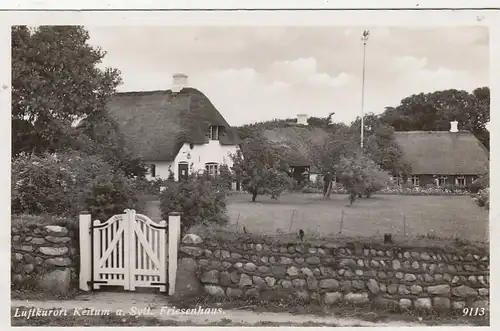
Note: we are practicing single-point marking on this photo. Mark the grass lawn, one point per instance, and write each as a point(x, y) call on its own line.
point(442, 216)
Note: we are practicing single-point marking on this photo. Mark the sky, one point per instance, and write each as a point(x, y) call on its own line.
point(257, 74)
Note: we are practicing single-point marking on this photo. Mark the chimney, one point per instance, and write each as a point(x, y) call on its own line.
point(302, 119)
point(454, 126)
point(179, 82)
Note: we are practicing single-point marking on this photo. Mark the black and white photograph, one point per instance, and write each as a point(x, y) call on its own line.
point(262, 175)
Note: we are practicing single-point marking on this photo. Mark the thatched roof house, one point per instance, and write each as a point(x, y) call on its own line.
point(443, 157)
point(176, 131)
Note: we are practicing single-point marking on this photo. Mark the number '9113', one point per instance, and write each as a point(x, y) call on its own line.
point(473, 312)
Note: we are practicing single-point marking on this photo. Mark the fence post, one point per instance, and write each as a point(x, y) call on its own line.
point(342, 222)
point(174, 234)
point(85, 220)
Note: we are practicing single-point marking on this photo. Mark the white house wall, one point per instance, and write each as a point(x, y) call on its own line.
point(161, 169)
point(198, 157)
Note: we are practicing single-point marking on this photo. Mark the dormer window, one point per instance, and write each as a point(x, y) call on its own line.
point(215, 131)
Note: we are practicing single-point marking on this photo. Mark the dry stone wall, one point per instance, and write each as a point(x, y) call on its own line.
point(43, 257)
point(434, 279)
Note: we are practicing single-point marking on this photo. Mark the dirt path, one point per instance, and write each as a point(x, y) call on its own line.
point(133, 302)
point(158, 308)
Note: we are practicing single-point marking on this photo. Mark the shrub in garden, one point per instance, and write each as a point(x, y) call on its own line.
point(480, 183)
point(67, 183)
point(483, 198)
point(197, 198)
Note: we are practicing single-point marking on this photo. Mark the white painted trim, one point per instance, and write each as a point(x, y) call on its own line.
point(85, 251)
point(174, 228)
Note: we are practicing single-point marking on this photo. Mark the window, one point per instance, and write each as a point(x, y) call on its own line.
point(212, 168)
point(415, 180)
point(214, 132)
point(152, 170)
point(460, 180)
point(441, 180)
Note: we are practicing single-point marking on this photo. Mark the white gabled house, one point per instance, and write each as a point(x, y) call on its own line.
point(177, 131)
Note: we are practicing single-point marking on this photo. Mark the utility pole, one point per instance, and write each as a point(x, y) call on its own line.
point(364, 39)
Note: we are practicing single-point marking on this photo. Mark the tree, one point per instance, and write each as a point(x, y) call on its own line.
point(55, 81)
point(434, 112)
point(260, 167)
point(360, 176)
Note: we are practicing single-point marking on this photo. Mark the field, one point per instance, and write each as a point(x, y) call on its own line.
point(440, 216)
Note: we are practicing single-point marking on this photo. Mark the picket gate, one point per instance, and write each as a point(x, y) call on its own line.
point(128, 250)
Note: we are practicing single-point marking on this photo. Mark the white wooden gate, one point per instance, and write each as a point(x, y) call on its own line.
point(128, 250)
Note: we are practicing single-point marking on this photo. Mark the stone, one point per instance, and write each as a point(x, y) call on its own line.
point(360, 263)
point(455, 280)
point(207, 252)
point(382, 275)
point(463, 291)
point(374, 263)
point(263, 269)
point(283, 250)
point(300, 249)
point(345, 285)
point(292, 271)
point(383, 288)
point(255, 258)
point(38, 260)
point(238, 265)
point(235, 277)
point(17, 279)
point(264, 259)
point(483, 291)
point(18, 256)
point(348, 274)
point(366, 252)
point(313, 260)
point(249, 266)
point(59, 261)
point(316, 297)
point(373, 286)
point(428, 278)
point(16, 238)
point(415, 265)
point(214, 264)
point(278, 270)
point(424, 256)
point(192, 239)
point(406, 255)
point(306, 272)
point(56, 231)
point(54, 251)
point(234, 292)
point(316, 272)
point(331, 297)
point(441, 304)
point(26, 248)
point(285, 260)
point(370, 273)
point(187, 283)
point(405, 303)
point(439, 290)
point(37, 241)
point(215, 290)
point(56, 281)
point(358, 284)
point(470, 268)
point(258, 247)
point(458, 305)
point(329, 283)
point(290, 249)
point(225, 255)
point(259, 281)
point(481, 304)
point(270, 281)
point(245, 280)
point(210, 277)
point(299, 260)
point(190, 250)
point(357, 298)
point(312, 283)
point(423, 304)
point(403, 290)
point(416, 289)
point(299, 282)
point(410, 277)
point(396, 264)
point(286, 284)
point(312, 250)
point(225, 278)
point(359, 272)
point(272, 259)
point(28, 268)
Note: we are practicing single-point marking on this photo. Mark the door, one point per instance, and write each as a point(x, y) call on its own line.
point(183, 171)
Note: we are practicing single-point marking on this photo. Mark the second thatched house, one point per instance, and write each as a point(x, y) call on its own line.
point(176, 132)
point(298, 140)
point(443, 157)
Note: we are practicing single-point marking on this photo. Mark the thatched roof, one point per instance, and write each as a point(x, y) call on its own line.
point(443, 152)
point(155, 124)
point(299, 141)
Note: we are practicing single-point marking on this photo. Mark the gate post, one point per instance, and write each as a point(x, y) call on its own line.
point(174, 233)
point(85, 250)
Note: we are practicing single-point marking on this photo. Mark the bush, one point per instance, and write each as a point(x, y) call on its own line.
point(198, 199)
point(68, 183)
point(480, 183)
point(483, 198)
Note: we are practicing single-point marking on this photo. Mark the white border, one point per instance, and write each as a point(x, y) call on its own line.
point(252, 18)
